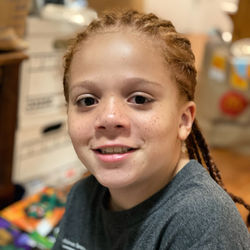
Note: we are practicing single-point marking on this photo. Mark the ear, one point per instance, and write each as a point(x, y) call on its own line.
point(187, 115)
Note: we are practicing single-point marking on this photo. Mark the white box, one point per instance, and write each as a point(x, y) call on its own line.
point(41, 91)
point(41, 86)
point(46, 153)
point(42, 158)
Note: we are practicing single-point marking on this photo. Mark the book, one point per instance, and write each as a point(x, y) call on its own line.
point(37, 215)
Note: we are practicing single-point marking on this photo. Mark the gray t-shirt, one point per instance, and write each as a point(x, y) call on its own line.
point(191, 212)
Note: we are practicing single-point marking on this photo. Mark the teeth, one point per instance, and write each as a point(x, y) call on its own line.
point(115, 150)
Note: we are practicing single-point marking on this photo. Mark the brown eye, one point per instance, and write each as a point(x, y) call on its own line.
point(87, 101)
point(140, 99)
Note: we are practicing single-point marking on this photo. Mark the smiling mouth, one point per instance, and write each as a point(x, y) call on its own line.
point(114, 150)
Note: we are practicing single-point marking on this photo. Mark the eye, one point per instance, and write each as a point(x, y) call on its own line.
point(86, 101)
point(140, 99)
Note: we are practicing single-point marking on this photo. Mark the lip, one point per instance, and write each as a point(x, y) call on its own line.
point(113, 158)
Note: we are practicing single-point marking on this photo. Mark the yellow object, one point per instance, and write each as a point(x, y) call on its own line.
point(219, 62)
point(237, 81)
point(5, 237)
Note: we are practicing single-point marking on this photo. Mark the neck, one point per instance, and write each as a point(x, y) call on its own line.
point(122, 199)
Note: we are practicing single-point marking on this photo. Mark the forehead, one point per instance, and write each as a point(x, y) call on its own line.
point(129, 35)
point(117, 51)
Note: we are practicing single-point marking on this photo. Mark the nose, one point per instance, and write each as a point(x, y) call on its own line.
point(112, 116)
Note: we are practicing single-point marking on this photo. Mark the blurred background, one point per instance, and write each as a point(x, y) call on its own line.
point(35, 150)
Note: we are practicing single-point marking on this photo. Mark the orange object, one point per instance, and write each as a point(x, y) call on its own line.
point(16, 214)
point(218, 62)
point(238, 82)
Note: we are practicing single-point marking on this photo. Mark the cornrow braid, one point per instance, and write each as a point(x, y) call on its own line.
point(178, 55)
point(192, 146)
point(200, 141)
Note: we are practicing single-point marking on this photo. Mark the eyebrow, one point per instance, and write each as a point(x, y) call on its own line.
point(89, 83)
point(83, 84)
point(139, 80)
point(128, 83)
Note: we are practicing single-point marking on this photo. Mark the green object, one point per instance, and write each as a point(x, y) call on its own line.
point(41, 240)
point(46, 203)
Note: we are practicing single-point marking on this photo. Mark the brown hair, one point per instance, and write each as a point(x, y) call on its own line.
point(178, 55)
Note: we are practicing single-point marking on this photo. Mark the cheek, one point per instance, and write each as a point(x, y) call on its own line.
point(158, 127)
point(154, 127)
point(78, 129)
point(162, 139)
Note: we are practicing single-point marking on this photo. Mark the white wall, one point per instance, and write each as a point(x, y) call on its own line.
point(198, 16)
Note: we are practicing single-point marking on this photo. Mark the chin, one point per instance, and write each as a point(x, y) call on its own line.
point(113, 182)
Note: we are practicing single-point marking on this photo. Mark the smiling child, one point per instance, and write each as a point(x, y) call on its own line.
point(129, 83)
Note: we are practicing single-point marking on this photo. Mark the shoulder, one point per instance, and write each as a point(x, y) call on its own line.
point(206, 203)
point(205, 214)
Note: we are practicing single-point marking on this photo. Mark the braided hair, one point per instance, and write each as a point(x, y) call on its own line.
point(177, 52)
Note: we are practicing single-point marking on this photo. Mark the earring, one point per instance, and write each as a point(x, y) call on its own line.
point(183, 147)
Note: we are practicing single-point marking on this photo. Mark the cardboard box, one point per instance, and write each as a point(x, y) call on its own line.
point(46, 154)
point(13, 14)
point(103, 5)
point(41, 88)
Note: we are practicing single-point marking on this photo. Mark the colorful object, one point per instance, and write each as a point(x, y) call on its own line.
point(233, 103)
point(46, 204)
point(29, 213)
point(219, 62)
point(41, 240)
point(12, 238)
point(217, 70)
point(240, 72)
point(37, 215)
point(237, 81)
point(241, 65)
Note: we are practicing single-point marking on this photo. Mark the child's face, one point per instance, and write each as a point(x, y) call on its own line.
point(124, 117)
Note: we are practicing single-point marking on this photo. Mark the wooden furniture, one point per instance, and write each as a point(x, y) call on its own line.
point(9, 76)
point(241, 20)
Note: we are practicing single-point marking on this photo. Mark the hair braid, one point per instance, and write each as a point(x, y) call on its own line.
point(213, 170)
point(190, 148)
point(192, 144)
